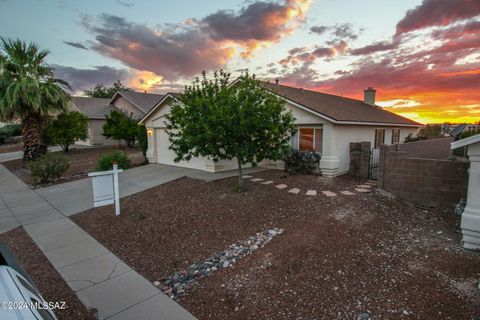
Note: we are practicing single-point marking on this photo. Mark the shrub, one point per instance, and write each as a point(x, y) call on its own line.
point(142, 139)
point(301, 162)
point(412, 138)
point(67, 128)
point(49, 167)
point(106, 161)
point(121, 126)
point(8, 131)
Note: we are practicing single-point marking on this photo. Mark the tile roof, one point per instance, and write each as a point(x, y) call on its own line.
point(144, 101)
point(336, 107)
point(95, 108)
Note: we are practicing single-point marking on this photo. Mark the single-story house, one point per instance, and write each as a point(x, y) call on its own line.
point(325, 124)
point(136, 103)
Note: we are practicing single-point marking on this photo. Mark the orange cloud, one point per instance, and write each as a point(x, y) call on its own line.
point(206, 44)
point(144, 80)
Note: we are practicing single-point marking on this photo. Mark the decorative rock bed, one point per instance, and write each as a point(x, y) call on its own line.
point(176, 285)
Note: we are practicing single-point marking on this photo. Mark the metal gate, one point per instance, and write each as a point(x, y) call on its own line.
point(373, 163)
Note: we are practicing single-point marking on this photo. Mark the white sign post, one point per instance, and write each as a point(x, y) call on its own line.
point(105, 188)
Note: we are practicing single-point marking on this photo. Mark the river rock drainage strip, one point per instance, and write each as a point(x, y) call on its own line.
point(175, 285)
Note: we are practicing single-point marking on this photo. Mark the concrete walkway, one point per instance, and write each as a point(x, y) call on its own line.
point(7, 156)
point(100, 279)
point(74, 197)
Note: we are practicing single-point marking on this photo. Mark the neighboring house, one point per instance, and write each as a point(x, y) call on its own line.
point(96, 109)
point(136, 103)
point(325, 124)
point(455, 130)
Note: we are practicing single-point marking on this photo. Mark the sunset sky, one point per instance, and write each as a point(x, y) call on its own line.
point(423, 57)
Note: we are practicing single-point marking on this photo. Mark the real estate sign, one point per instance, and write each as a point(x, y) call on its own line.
point(105, 188)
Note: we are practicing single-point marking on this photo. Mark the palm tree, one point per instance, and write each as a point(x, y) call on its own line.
point(29, 92)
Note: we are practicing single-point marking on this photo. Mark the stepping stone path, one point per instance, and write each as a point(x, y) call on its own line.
point(329, 193)
point(294, 190)
point(247, 177)
point(364, 186)
point(175, 285)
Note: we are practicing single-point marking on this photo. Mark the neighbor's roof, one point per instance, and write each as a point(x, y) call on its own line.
point(458, 130)
point(93, 108)
point(143, 101)
point(337, 108)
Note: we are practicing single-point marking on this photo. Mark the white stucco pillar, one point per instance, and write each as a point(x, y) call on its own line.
point(330, 161)
point(470, 224)
point(152, 145)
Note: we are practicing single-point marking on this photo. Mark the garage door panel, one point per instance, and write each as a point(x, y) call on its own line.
point(167, 156)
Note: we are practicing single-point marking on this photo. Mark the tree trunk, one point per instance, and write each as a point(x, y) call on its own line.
point(32, 131)
point(240, 176)
point(130, 143)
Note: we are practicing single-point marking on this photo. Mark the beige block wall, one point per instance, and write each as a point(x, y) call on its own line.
point(340, 136)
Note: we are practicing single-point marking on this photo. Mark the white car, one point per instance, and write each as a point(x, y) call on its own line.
point(19, 298)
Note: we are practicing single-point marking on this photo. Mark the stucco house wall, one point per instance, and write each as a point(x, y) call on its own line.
point(336, 138)
point(95, 135)
point(336, 157)
point(126, 106)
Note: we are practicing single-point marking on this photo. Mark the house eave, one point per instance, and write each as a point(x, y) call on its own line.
point(145, 117)
point(348, 122)
point(465, 142)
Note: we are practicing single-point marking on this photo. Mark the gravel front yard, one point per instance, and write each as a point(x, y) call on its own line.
point(82, 161)
point(48, 281)
point(337, 257)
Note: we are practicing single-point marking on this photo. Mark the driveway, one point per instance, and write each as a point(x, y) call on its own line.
point(77, 196)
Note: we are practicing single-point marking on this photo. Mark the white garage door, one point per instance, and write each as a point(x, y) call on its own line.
point(166, 156)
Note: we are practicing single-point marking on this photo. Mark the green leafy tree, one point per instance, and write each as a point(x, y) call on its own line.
point(241, 121)
point(431, 131)
point(67, 128)
point(121, 126)
point(100, 91)
point(29, 92)
point(469, 133)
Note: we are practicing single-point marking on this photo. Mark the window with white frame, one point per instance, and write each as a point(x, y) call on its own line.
point(379, 137)
point(395, 136)
point(310, 139)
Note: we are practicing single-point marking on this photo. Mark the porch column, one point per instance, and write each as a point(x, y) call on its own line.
point(330, 161)
point(471, 216)
point(152, 145)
